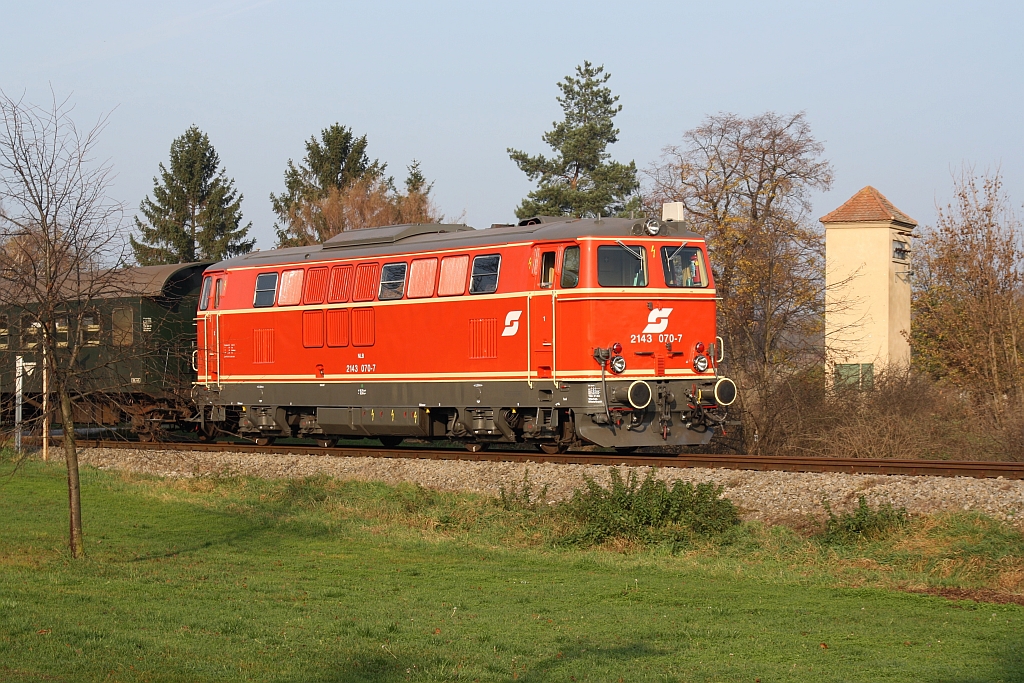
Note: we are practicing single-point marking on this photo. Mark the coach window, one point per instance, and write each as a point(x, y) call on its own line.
point(570, 267)
point(122, 320)
point(30, 330)
point(5, 332)
point(392, 281)
point(90, 329)
point(453, 276)
point(547, 269)
point(63, 335)
point(684, 267)
point(621, 265)
point(266, 290)
point(291, 288)
point(485, 274)
point(204, 296)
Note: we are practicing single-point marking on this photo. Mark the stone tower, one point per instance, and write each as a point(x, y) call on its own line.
point(867, 279)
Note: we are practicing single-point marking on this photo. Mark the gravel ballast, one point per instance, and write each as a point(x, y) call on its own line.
point(772, 497)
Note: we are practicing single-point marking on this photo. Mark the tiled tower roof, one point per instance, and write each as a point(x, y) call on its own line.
point(868, 206)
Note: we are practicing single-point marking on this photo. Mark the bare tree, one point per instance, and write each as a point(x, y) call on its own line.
point(746, 185)
point(968, 327)
point(60, 248)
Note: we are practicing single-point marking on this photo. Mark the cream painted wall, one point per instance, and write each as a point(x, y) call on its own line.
point(867, 298)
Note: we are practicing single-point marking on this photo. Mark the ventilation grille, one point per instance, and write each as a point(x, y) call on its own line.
point(263, 346)
point(337, 327)
point(362, 327)
point(313, 329)
point(483, 338)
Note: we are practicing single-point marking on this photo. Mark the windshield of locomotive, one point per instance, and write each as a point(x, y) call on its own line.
point(622, 265)
point(684, 266)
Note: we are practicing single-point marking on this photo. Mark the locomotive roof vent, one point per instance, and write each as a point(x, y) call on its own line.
point(388, 234)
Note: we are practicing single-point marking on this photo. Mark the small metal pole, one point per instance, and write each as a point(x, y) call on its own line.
point(46, 409)
point(19, 367)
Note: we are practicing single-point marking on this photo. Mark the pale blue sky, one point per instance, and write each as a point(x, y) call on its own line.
point(901, 93)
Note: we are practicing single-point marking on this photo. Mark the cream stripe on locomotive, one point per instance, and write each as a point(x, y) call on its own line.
point(567, 376)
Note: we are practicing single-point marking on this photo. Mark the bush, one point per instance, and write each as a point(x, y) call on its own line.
point(862, 523)
point(648, 511)
point(520, 497)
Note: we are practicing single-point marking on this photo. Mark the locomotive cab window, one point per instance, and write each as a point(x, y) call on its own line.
point(392, 281)
point(485, 274)
point(547, 269)
point(570, 267)
point(266, 290)
point(621, 265)
point(218, 292)
point(204, 296)
point(684, 267)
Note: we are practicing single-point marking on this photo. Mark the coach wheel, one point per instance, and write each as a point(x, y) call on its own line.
point(326, 443)
point(551, 448)
point(265, 440)
point(391, 441)
point(476, 447)
point(147, 437)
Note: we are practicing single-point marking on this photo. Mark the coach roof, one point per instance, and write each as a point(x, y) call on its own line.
point(405, 239)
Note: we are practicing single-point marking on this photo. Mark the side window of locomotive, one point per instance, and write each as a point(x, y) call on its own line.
point(5, 332)
point(367, 275)
point(291, 288)
point(315, 289)
point(621, 265)
point(90, 329)
point(218, 292)
point(684, 267)
point(340, 288)
point(570, 267)
point(266, 290)
point(392, 281)
point(485, 274)
point(30, 332)
point(122, 322)
point(422, 274)
point(204, 296)
point(547, 269)
point(62, 333)
point(453, 276)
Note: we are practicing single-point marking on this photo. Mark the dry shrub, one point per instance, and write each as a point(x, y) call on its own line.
point(903, 415)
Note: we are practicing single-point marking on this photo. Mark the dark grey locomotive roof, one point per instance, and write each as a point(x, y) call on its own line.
point(402, 239)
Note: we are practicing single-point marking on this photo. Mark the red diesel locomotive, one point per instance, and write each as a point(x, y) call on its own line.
point(557, 332)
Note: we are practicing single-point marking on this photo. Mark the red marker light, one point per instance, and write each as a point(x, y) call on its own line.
point(699, 347)
point(616, 348)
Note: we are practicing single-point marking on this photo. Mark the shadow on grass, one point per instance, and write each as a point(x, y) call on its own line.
point(1007, 663)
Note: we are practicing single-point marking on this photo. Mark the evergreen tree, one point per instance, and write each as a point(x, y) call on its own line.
point(580, 179)
point(195, 213)
point(334, 162)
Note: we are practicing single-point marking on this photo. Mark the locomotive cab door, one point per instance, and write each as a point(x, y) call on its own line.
point(542, 314)
point(208, 331)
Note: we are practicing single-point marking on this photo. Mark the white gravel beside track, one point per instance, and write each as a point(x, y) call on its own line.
point(770, 496)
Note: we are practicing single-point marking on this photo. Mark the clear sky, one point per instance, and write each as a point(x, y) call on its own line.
point(901, 93)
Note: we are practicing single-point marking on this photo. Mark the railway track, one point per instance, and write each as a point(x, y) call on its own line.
point(939, 468)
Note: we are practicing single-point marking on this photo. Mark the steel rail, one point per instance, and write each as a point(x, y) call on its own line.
point(761, 463)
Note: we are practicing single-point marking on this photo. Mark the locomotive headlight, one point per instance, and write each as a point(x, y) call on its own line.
point(700, 363)
point(653, 227)
point(618, 365)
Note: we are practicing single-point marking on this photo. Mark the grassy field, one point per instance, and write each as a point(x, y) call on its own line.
point(240, 579)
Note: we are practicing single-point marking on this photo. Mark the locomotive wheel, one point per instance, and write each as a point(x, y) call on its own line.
point(626, 450)
point(551, 447)
point(207, 432)
point(265, 440)
point(390, 441)
point(326, 443)
point(476, 447)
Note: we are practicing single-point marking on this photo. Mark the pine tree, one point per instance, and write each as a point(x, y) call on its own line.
point(332, 163)
point(580, 179)
point(195, 213)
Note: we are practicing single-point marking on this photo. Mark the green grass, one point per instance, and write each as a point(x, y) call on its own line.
point(242, 579)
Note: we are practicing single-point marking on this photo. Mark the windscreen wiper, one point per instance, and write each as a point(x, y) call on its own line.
point(632, 253)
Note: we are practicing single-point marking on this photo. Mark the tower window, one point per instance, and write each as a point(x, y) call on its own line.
point(900, 251)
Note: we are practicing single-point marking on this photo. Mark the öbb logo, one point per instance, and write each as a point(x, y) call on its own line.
point(511, 324)
point(657, 321)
